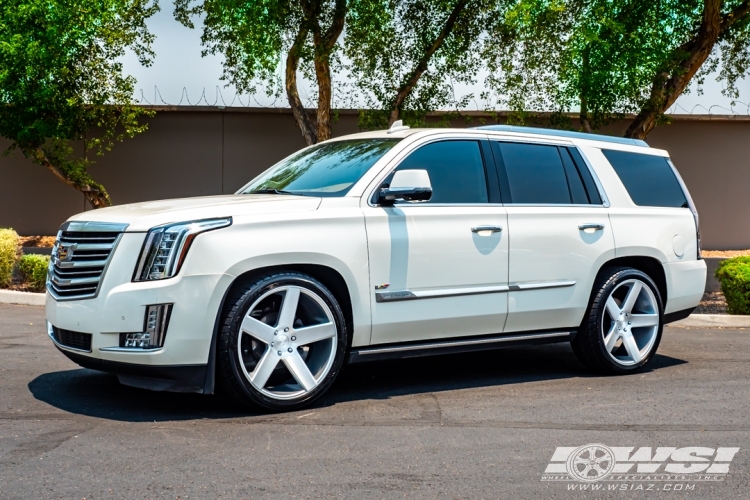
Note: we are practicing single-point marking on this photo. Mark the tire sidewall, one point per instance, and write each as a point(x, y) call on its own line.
point(244, 302)
point(609, 286)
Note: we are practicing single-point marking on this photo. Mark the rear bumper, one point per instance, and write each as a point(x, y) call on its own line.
point(175, 378)
point(686, 283)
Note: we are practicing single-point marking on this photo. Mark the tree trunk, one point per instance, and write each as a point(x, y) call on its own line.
point(585, 123)
point(671, 82)
point(324, 44)
point(413, 78)
point(584, 115)
point(95, 193)
point(298, 110)
point(323, 75)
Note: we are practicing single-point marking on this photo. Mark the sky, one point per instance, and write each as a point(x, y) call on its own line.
point(180, 76)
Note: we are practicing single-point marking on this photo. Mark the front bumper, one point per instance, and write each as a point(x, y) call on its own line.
point(120, 307)
point(179, 378)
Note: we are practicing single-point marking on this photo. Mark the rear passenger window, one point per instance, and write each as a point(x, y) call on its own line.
point(535, 174)
point(456, 171)
point(539, 174)
point(649, 179)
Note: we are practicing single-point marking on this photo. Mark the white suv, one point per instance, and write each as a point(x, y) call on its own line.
point(381, 245)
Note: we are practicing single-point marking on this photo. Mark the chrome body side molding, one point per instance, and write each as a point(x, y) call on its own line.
point(398, 295)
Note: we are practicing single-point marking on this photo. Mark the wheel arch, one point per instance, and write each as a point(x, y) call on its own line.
point(329, 277)
point(649, 265)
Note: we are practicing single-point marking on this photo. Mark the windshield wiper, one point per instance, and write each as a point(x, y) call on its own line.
point(273, 191)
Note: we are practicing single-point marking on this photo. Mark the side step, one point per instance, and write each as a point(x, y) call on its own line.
point(453, 345)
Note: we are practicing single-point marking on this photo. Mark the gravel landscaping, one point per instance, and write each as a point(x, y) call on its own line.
point(712, 303)
point(725, 253)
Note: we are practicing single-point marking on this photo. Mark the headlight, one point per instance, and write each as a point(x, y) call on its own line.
point(166, 247)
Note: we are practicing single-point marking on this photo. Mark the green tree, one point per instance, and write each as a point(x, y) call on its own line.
point(612, 57)
point(61, 81)
point(406, 54)
point(253, 36)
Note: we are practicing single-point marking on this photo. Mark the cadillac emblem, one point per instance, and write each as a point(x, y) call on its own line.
point(65, 252)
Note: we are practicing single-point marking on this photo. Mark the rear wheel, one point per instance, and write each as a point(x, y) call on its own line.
point(623, 325)
point(282, 343)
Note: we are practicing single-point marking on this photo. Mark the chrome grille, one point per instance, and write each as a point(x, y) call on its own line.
point(80, 258)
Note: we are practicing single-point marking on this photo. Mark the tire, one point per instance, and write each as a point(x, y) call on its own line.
point(281, 358)
point(608, 335)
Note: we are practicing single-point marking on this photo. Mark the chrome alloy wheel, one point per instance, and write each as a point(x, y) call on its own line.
point(630, 324)
point(288, 342)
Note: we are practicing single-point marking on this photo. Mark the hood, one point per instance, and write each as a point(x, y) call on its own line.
point(144, 216)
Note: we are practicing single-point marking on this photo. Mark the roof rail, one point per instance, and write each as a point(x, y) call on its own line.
point(565, 133)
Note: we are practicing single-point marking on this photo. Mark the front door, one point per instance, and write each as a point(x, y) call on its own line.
point(560, 234)
point(440, 269)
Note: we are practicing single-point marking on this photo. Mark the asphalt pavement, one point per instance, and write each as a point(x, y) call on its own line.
point(463, 426)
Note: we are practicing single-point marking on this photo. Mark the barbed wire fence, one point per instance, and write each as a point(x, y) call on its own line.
point(738, 108)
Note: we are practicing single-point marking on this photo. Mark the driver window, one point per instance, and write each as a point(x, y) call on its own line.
point(456, 171)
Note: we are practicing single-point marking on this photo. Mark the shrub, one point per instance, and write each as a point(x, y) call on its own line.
point(34, 271)
point(734, 277)
point(8, 255)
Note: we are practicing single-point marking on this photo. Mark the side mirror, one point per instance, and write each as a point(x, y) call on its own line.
point(409, 185)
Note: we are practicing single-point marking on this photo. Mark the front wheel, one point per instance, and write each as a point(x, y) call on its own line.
point(282, 343)
point(623, 325)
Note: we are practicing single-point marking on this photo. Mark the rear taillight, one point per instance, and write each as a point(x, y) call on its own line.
point(691, 205)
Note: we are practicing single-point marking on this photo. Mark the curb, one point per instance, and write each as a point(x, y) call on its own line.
point(22, 298)
point(714, 320)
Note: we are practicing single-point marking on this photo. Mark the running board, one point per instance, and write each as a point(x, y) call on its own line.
point(453, 345)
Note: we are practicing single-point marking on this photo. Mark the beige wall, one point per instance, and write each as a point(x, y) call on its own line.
point(210, 151)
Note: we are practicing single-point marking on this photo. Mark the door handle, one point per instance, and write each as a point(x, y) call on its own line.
point(483, 229)
point(595, 227)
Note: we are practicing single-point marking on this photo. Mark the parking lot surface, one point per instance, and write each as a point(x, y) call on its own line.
point(464, 426)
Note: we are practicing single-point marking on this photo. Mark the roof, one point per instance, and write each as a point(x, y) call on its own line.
point(565, 133)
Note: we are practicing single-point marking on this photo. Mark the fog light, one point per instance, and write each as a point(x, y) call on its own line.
point(154, 329)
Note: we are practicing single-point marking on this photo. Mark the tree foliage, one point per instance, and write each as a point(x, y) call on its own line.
point(612, 57)
point(255, 36)
point(406, 55)
point(61, 78)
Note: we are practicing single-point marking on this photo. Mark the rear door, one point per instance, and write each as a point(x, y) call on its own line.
point(559, 232)
point(440, 269)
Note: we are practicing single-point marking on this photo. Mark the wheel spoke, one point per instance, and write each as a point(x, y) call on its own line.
point(639, 320)
point(289, 308)
point(257, 329)
point(300, 371)
point(611, 339)
point(264, 368)
point(629, 302)
point(613, 309)
point(629, 341)
point(311, 334)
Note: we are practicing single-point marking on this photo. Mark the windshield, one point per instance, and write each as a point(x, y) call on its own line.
point(329, 169)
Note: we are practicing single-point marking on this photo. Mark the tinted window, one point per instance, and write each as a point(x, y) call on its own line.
point(649, 179)
point(575, 182)
point(456, 171)
point(588, 181)
point(328, 169)
point(535, 174)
